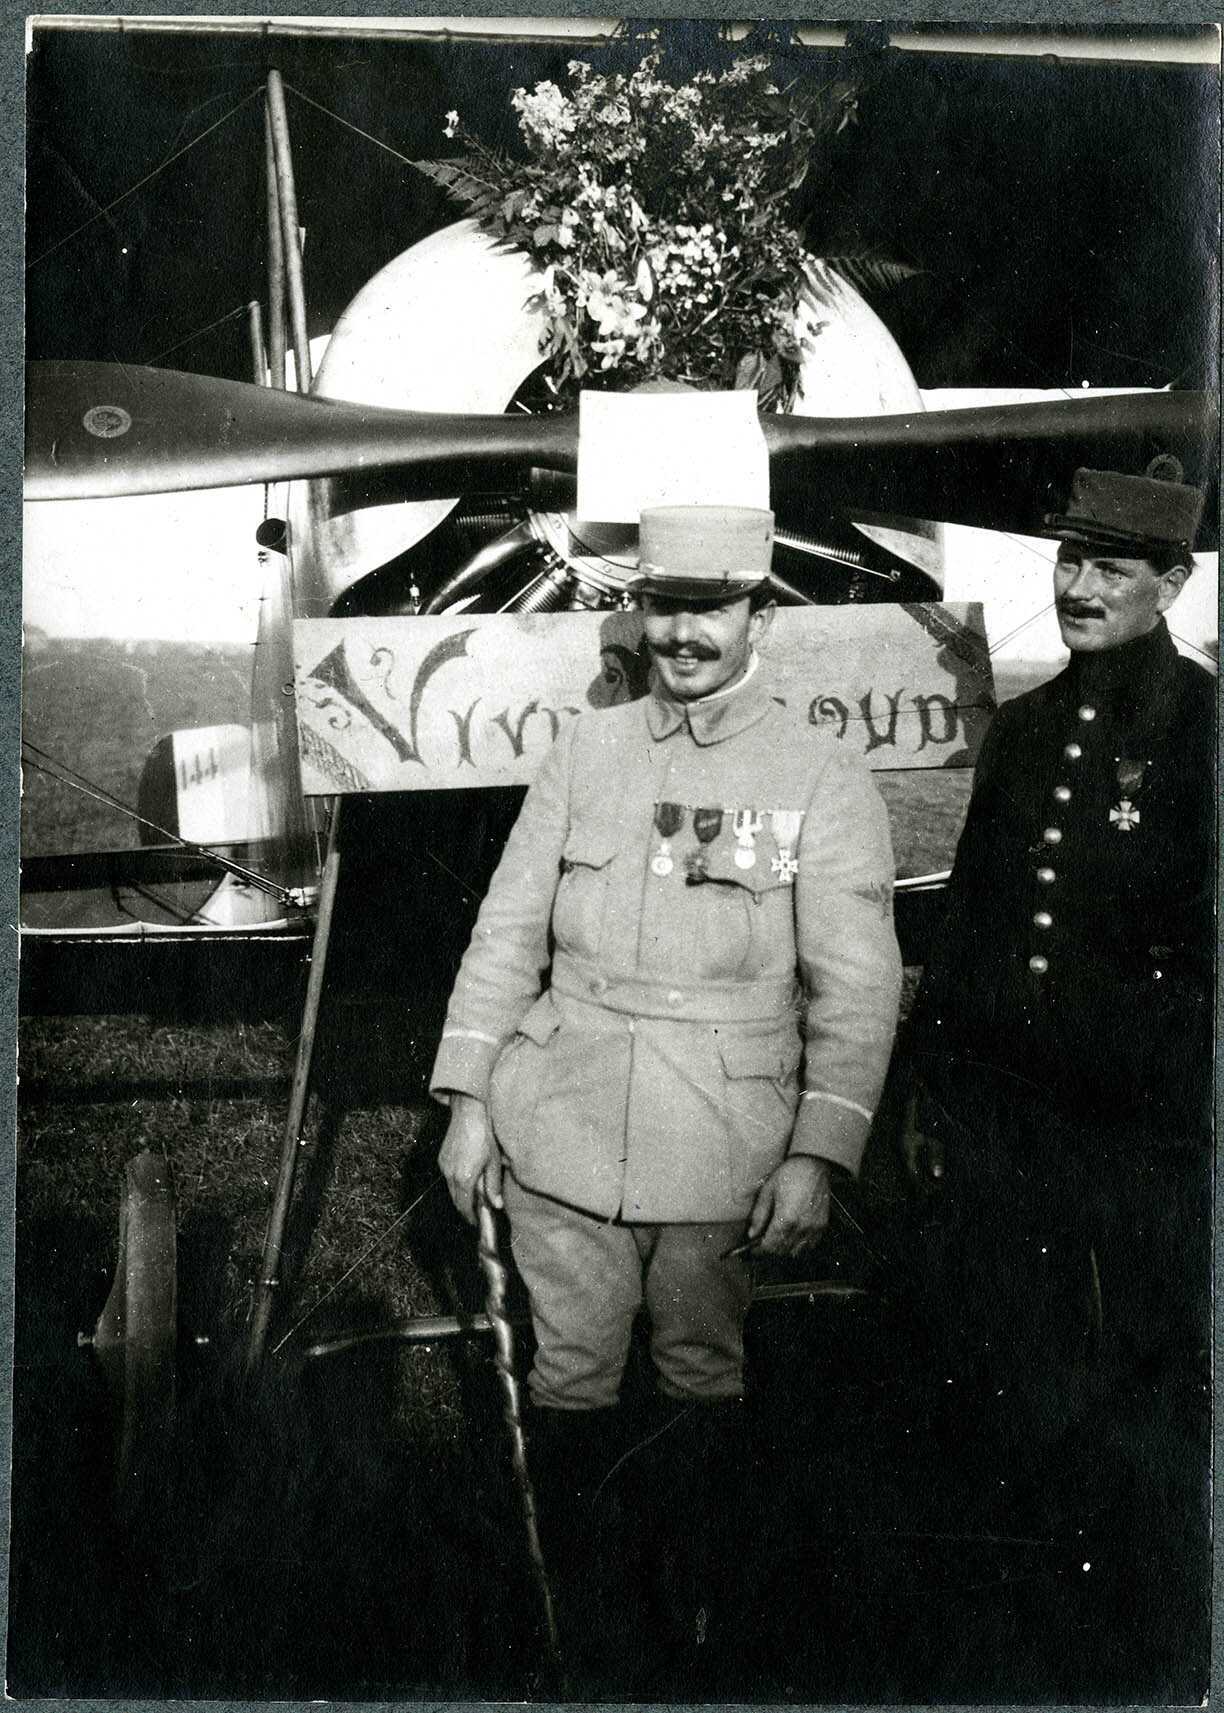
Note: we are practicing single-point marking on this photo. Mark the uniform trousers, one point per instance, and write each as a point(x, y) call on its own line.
point(1067, 1284)
point(587, 1277)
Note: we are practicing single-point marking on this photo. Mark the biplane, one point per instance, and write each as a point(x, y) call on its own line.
point(416, 497)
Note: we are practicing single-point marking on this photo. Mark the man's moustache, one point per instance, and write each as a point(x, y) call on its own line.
point(1070, 612)
point(688, 652)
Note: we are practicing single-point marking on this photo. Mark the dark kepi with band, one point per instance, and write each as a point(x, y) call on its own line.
point(705, 553)
point(1132, 515)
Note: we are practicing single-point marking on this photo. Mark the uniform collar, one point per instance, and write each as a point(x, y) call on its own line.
point(711, 719)
point(1133, 682)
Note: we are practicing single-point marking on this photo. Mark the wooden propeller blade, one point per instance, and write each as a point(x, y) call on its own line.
point(102, 429)
point(97, 429)
point(1003, 467)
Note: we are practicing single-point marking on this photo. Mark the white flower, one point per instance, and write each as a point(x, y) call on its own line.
point(452, 124)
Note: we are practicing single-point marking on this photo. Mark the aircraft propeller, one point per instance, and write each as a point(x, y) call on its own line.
point(101, 429)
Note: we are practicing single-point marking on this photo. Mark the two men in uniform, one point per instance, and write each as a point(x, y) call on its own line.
point(685, 866)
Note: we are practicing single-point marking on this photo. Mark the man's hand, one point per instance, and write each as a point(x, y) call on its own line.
point(791, 1209)
point(468, 1157)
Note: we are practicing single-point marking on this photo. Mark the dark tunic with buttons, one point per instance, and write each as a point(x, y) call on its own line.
point(1075, 966)
point(1063, 1042)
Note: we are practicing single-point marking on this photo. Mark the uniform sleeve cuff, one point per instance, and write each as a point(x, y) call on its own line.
point(464, 1064)
point(831, 1127)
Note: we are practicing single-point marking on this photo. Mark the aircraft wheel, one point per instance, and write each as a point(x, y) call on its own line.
point(136, 1334)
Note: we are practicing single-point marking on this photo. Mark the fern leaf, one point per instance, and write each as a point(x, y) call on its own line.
point(462, 179)
point(872, 275)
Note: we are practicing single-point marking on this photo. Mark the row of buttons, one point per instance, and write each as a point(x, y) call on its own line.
point(1053, 836)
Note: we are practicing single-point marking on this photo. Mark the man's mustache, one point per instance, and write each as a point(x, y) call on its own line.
point(683, 650)
point(1073, 610)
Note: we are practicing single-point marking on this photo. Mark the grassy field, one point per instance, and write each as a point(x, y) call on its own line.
point(408, 1441)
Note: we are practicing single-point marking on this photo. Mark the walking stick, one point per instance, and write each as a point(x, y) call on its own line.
point(494, 1270)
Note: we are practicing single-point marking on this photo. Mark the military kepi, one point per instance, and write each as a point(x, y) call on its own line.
point(1132, 514)
point(708, 553)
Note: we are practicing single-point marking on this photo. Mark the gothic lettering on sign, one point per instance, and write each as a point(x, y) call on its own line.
point(450, 648)
point(333, 673)
point(554, 717)
point(827, 710)
point(946, 708)
point(514, 730)
point(463, 729)
point(938, 718)
point(876, 739)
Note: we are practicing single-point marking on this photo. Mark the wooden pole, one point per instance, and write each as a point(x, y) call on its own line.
point(290, 235)
point(274, 1236)
point(259, 357)
point(276, 261)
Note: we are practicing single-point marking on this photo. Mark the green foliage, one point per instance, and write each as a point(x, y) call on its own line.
point(658, 215)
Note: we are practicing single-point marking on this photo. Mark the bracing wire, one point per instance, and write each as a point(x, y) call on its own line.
point(43, 762)
point(177, 154)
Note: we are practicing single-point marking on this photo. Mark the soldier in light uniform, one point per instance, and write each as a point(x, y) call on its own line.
point(676, 1012)
point(1062, 1040)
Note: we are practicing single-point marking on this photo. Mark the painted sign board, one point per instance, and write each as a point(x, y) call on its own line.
point(435, 704)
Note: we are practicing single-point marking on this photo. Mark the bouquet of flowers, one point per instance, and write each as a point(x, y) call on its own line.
point(658, 216)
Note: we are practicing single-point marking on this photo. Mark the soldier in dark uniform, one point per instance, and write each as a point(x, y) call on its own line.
point(1062, 1041)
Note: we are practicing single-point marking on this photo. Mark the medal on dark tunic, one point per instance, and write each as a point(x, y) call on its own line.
point(668, 818)
point(707, 824)
point(1124, 817)
point(747, 823)
point(785, 824)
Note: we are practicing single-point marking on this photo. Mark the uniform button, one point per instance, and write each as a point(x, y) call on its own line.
point(1086, 713)
point(675, 997)
point(1062, 793)
point(1073, 752)
point(1043, 919)
point(1038, 964)
point(599, 984)
point(1052, 835)
point(1046, 876)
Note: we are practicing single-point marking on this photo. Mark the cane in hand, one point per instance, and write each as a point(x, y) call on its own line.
point(494, 1271)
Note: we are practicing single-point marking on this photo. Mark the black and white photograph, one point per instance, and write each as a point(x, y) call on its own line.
point(618, 862)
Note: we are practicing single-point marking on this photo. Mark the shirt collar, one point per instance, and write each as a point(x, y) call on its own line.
point(713, 718)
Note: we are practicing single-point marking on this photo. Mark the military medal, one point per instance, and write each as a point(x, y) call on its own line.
point(668, 818)
point(747, 824)
point(1125, 817)
point(707, 824)
point(786, 824)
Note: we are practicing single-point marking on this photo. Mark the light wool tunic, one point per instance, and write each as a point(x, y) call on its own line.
point(710, 887)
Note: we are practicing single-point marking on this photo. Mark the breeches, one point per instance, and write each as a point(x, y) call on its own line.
point(587, 1278)
point(1075, 1289)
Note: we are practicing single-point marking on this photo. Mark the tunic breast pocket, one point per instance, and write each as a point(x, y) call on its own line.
point(748, 920)
point(582, 891)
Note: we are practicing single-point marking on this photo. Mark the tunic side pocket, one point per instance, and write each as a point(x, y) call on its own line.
point(762, 1092)
point(518, 1076)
